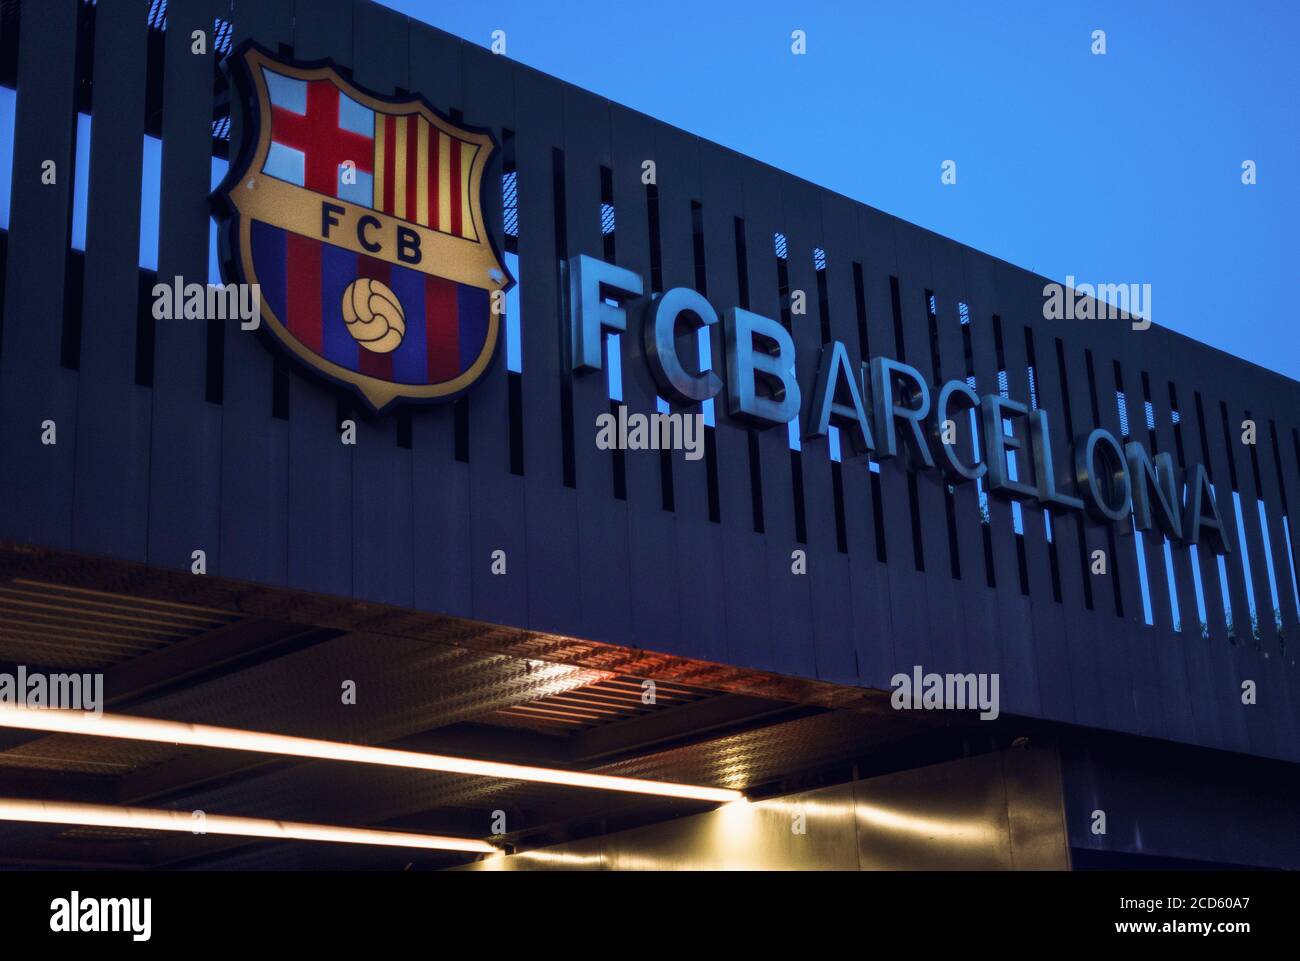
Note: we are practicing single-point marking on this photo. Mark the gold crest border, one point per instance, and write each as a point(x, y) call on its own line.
point(380, 393)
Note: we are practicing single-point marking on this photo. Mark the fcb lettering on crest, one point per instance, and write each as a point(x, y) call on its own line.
point(362, 220)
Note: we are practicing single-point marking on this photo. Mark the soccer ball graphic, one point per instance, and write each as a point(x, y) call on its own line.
point(373, 315)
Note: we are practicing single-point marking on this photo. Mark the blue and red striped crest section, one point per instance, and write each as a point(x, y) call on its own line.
point(303, 282)
point(361, 219)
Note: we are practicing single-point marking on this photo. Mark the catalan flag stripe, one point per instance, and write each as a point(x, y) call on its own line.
point(390, 165)
point(400, 161)
point(467, 152)
point(444, 183)
point(422, 174)
point(381, 139)
point(454, 176)
point(434, 177)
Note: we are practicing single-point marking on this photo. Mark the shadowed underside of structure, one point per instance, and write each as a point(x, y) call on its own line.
point(201, 650)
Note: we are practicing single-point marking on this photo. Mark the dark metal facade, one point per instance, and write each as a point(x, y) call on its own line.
point(219, 446)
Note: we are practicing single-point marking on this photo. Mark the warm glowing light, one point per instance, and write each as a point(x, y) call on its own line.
point(562, 858)
point(953, 831)
point(149, 819)
point(233, 739)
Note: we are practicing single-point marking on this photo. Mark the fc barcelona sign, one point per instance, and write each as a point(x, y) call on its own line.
point(361, 219)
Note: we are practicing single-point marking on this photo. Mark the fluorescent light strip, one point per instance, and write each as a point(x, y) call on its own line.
point(233, 739)
point(150, 819)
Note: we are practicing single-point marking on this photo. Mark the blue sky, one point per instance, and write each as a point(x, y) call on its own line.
point(1123, 168)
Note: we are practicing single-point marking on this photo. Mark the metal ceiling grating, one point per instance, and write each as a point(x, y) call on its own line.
point(57, 625)
point(603, 701)
point(69, 754)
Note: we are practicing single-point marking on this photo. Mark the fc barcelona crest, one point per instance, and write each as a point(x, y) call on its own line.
point(361, 219)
